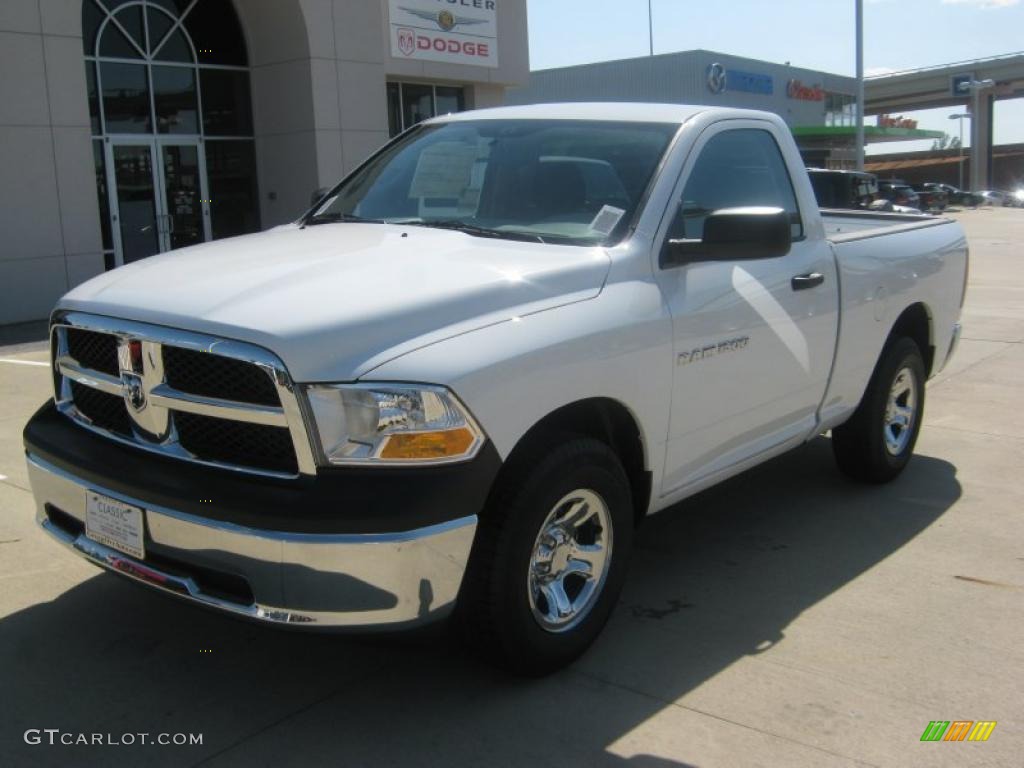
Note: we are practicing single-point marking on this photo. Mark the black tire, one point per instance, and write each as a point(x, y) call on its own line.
point(860, 445)
point(494, 608)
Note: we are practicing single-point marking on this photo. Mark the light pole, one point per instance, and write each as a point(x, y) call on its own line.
point(860, 85)
point(650, 26)
point(961, 116)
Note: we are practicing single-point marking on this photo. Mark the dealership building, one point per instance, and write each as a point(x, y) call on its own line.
point(819, 107)
point(131, 127)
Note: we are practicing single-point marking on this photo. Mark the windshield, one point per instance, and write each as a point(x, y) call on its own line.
point(560, 181)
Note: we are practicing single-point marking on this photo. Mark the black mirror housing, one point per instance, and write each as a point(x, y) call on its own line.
point(736, 233)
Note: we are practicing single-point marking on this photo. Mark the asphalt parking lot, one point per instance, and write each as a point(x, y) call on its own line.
point(785, 618)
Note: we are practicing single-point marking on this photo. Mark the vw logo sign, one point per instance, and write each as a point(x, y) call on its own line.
point(716, 78)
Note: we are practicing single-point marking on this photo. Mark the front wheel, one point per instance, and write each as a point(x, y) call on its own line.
point(550, 557)
point(877, 442)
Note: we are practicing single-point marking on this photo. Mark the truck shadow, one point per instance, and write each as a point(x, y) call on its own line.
point(713, 580)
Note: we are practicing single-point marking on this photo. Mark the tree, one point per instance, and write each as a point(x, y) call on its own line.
point(946, 142)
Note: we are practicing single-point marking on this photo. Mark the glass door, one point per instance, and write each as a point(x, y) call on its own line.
point(158, 196)
point(185, 208)
point(135, 207)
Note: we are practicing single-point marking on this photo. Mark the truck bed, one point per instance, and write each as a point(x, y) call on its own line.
point(844, 225)
point(887, 261)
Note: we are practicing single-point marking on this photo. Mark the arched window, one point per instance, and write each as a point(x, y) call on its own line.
point(171, 115)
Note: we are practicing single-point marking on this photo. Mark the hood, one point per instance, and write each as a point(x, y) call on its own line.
point(334, 301)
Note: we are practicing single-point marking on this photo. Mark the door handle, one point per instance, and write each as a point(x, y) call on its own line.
point(810, 280)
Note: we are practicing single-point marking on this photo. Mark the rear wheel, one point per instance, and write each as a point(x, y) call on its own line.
point(877, 442)
point(550, 558)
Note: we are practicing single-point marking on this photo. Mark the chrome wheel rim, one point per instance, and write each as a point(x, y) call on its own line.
point(570, 560)
point(900, 412)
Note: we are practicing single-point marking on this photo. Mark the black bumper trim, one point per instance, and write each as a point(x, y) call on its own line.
point(342, 500)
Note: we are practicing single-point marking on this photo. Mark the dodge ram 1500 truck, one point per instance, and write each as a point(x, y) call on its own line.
point(459, 382)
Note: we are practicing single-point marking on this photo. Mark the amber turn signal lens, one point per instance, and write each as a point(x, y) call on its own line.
point(428, 445)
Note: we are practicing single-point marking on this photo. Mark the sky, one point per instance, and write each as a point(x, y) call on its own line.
point(816, 34)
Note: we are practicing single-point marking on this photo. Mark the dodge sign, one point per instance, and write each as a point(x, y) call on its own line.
point(452, 31)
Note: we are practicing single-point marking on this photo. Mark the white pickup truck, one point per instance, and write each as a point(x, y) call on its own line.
point(464, 377)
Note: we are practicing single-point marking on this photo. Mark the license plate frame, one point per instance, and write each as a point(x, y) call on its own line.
point(115, 524)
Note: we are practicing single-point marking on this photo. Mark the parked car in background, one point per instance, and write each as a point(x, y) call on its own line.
point(1017, 197)
point(954, 195)
point(991, 197)
point(933, 197)
point(843, 189)
point(899, 193)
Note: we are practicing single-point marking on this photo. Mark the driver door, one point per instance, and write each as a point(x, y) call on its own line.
point(753, 345)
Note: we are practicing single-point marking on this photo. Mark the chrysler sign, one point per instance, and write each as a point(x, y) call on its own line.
point(452, 31)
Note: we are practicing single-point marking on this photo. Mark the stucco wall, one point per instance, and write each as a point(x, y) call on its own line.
point(311, 137)
point(49, 219)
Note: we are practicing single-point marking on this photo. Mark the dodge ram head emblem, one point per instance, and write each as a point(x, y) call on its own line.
point(406, 41)
point(142, 372)
point(134, 392)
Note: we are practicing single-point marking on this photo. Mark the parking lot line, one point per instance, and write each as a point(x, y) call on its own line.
point(22, 362)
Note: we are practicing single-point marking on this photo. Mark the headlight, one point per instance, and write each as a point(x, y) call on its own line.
point(392, 424)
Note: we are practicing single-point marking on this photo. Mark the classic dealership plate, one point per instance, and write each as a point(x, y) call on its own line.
point(114, 524)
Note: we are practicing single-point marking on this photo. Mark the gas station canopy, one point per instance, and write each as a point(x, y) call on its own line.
point(847, 134)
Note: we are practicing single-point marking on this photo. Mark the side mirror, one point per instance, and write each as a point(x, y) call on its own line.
point(736, 233)
point(318, 195)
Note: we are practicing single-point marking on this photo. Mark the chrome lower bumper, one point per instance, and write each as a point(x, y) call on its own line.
point(337, 580)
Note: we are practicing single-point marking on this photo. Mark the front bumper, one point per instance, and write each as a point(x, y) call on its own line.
point(304, 579)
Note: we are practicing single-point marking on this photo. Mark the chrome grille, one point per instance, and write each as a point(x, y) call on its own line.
point(253, 445)
point(95, 351)
point(102, 410)
point(200, 373)
point(189, 396)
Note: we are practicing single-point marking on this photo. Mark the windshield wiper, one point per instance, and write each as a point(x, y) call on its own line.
point(472, 229)
point(335, 218)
